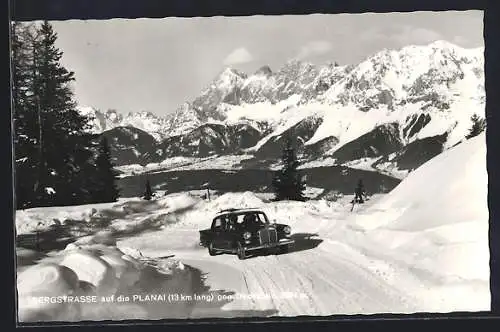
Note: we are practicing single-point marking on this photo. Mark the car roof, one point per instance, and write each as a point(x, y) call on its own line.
point(238, 211)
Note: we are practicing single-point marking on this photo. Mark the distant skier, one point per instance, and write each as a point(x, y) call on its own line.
point(360, 192)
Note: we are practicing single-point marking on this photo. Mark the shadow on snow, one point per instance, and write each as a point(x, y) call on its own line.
point(302, 242)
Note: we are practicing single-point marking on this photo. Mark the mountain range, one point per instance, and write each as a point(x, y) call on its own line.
point(391, 112)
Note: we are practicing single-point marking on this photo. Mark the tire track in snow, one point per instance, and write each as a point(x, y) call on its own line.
point(265, 281)
point(332, 284)
point(330, 290)
point(303, 282)
point(282, 305)
point(362, 295)
point(392, 290)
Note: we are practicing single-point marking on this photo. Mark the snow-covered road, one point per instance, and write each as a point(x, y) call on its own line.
point(317, 277)
point(312, 282)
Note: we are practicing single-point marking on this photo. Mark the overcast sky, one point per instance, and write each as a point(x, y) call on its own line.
point(157, 64)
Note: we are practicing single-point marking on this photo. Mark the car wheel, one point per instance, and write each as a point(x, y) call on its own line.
point(241, 251)
point(211, 250)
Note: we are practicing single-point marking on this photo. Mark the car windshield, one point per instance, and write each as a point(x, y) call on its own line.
point(240, 218)
point(258, 217)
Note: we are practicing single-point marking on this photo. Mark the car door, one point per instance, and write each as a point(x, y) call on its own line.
point(218, 233)
point(226, 234)
point(230, 235)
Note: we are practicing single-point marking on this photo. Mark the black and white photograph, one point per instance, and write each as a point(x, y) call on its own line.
point(250, 166)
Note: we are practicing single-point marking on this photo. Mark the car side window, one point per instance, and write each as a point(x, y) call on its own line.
point(217, 224)
point(230, 224)
point(262, 218)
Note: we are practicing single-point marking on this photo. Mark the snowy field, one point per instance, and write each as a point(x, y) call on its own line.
point(233, 163)
point(229, 162)
point(423, 247)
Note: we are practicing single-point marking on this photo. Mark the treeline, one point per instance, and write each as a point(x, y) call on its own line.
point(58, 161)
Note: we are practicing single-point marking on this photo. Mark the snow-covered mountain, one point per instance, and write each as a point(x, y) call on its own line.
point(393, 111)
point(146, 121)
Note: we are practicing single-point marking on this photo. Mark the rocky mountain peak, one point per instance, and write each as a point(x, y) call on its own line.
point(264, 71)
point(230, 72)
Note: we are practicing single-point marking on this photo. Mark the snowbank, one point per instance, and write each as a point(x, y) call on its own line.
point(289, 212)
point(85, 281)
point(436, 222)
point(178, 201)
point(307, 216)
point(126, 215)
point(40, 219)
point(46, 280)
point(447, 190)
point(93, 270)
point(191, 213)
point(236, 200)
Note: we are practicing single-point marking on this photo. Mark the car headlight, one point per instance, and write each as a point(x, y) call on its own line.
point(247, 235)
point(287, 229)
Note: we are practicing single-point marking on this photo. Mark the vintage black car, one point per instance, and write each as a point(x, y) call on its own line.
point(240, 231)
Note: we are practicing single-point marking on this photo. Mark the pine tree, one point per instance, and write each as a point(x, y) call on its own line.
point(66, 142)
point(103, 183)
point(52, 144)
point(478, 126)
point(148, 193)
point(23, 115)
point(287, 182)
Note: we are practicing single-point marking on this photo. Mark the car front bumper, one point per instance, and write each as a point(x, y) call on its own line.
point(269, 245)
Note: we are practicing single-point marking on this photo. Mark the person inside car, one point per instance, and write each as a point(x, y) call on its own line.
point(250, 221)
point(232, 221)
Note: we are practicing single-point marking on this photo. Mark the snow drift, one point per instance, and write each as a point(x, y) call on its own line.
point(84, 282)
point(436, 221)
point(57, 286)
point(449, 189)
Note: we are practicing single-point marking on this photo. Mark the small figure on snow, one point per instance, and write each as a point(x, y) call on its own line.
point(148, 193)
point(360, 192)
